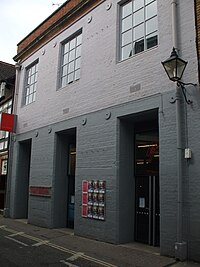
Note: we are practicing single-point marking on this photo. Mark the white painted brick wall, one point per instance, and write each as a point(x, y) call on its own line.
point(104, 81)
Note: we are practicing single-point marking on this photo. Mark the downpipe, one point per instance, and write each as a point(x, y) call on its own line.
point(180, 245)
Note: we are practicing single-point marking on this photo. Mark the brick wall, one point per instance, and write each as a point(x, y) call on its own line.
point(111, 83)
point(59, 20)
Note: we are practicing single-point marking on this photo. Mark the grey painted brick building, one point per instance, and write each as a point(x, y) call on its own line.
point(96, 141)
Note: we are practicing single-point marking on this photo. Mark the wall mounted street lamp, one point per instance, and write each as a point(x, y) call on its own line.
point(175, 67)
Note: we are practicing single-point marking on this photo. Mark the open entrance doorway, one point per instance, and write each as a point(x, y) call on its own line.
point(23, 174)
point(64, 185)
point(139, 197)
point(147, 207)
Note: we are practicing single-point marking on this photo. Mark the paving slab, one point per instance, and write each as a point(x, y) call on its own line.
point(126, 255)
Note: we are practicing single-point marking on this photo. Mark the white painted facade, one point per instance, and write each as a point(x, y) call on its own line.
point(105, 81)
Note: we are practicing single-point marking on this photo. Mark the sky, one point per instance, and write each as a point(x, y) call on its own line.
point(17, 19)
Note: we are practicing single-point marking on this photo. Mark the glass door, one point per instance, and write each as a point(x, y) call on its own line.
point(147, 209)
point(71, 185)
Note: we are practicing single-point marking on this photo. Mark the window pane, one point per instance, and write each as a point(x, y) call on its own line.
point(72, 55)
point(152, 40)
point(148, 1)
point(32, 79)
point(79, 39)
point(64, 70)
point(66, 48)
point(151, 10)
point(31, 89)
point(65, 59)
point(138, 4)
point(36, 67)
point(71, 67)
point(139, 46)
point(29, 73)
point(33, 69)
point(64, 81)
point(31, 98)
point(29, 80)
point(127, 51)
point(151, 25)
point(127, 9)
point(77, 63)
point(34, 95)
point(78, 51)
point(36, 77)
point(77, 74)
point(126, 23)
point(139, 32)
point(138, 17)
point(27, 91)
point(72, 44)
point(70, 78)
point(126, 37)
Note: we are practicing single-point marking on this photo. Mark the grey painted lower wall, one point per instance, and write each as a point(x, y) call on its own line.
point(105, 141)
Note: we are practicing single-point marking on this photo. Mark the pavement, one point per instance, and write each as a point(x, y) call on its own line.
point(107, 255)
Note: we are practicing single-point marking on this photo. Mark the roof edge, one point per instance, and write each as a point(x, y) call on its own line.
point(54, 25)
point(51, 15)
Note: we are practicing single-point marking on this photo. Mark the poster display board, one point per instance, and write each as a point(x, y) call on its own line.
point(93, 199)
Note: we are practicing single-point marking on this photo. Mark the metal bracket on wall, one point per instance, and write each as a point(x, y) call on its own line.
point(84, 121)
point(49, 129)
point(173, 100)
point(108, 115)
point(36, 133)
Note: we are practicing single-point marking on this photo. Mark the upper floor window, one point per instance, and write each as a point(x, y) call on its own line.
point(70, 62)
point(31, 83)
point(139, 27)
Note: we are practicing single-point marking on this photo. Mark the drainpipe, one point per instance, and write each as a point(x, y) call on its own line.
point(7, 211)
point(180, 245)
point(18, 68)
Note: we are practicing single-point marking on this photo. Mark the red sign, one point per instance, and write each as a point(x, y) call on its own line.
point(84, 211)
point(84, 186)
point(40, 191)
point(84, 198)
point(8, 122)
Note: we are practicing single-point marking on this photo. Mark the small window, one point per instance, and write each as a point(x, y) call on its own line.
point(31, 83)
point(70, 61)
point(139, 27)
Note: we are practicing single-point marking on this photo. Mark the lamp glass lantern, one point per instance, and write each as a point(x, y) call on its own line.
point(174, 66)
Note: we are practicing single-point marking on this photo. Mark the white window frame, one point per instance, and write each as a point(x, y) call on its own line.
point(70, 59)
point(135, 32)
point(30, 87)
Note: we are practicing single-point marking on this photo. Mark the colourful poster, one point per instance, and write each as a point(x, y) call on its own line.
point(93, 199)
